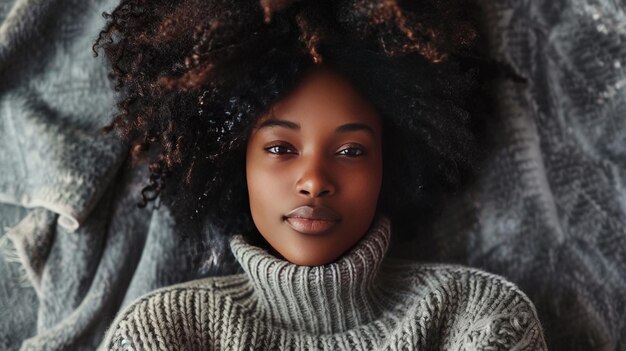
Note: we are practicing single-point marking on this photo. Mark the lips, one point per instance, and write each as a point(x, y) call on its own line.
point(312, 220)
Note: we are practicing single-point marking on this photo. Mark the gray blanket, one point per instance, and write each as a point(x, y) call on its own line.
point(548, 210)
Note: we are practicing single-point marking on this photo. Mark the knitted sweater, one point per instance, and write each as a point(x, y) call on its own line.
point(362, 301)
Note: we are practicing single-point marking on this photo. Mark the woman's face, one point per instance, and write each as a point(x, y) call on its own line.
point(314, 170)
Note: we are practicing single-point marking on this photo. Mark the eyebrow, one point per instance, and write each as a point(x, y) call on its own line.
point(349, 127)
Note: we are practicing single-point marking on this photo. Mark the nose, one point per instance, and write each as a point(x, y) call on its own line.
point(315, 181)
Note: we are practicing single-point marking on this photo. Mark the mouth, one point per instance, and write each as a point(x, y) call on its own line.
point(311, 226)
point(312, 220)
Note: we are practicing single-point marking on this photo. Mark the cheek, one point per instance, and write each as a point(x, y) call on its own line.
point(265, 185)
point(362, 188)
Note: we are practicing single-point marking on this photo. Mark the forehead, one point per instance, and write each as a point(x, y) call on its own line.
point(324, 98)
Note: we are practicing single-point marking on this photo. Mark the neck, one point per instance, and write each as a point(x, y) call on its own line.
point(322, 299)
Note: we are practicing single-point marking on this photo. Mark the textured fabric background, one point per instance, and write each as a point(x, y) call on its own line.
point(549, 209)
point(74, 245)
point(548, 212)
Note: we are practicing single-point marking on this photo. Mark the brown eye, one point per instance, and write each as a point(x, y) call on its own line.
point(352, 152)
point(277, 149)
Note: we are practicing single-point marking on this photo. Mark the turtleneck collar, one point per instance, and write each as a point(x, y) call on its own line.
point(321, 299)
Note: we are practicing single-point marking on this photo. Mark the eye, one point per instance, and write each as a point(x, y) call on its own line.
point(277, 149)
point(352, 152)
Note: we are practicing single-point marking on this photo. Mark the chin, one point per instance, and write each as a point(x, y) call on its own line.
point(310, 261)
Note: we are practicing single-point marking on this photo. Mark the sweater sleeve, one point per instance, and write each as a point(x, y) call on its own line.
point(518, 330)
point(167, 319)
point(508, 323)
point(128, 331)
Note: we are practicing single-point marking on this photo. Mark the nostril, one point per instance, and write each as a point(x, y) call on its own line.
point(311, 190)
point(325, 192)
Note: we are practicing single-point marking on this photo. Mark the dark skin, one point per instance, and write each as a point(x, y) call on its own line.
point(314, 164)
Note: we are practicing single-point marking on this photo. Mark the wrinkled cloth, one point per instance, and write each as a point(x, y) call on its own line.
point(548, 211)
point(75, 247)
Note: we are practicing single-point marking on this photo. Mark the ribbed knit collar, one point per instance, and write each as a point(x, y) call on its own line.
point(321, 299)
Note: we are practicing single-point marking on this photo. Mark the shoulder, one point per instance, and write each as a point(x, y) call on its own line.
point(475, 307)
point(482, 285)
point(166, 317)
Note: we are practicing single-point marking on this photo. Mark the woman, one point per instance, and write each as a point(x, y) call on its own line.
point(301, 126)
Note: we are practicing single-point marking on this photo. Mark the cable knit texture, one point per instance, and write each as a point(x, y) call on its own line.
point(362, 301)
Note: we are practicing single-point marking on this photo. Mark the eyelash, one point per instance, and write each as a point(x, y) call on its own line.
point(362, 152)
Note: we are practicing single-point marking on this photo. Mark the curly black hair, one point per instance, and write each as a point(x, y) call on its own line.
point(195, 75)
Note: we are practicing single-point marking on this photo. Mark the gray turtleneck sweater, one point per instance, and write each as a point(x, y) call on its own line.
point(362, 301)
